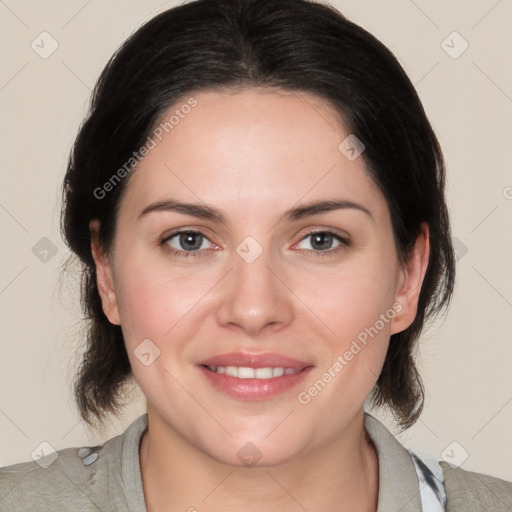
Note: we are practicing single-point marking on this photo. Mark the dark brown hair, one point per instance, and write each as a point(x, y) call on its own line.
point(296, 45)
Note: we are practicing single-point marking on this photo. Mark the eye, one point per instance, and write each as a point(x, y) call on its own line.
point(188, 241)
point(322, 241)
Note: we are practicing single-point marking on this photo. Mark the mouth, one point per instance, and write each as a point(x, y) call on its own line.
point(254, 376)
point(246, 372)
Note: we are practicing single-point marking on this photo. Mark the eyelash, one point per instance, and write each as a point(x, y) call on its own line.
point(344, 243)
point(182, 254)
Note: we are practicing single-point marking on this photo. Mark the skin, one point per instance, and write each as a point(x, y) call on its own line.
point(253, 155)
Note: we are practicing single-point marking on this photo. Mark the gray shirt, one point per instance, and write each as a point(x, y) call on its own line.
point(108, 478)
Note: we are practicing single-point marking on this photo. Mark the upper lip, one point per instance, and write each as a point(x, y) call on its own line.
point(264, 360)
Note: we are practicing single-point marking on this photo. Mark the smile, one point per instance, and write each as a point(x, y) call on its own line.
point(244, 372)
point(254, 377)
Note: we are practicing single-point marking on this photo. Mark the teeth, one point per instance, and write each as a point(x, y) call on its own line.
point(244, 372)
point(232, 371)
point(264, 373)
point(277, 372)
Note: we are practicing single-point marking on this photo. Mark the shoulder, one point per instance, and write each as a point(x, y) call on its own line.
point(466, 490)
point(69, 479)
point(78, 479)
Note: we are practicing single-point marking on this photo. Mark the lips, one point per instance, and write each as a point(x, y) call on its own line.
point(254, 376)
point(241, 359)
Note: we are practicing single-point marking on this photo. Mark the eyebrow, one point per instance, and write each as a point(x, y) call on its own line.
point(317, 207)
point(206, 212)
point(194, 209)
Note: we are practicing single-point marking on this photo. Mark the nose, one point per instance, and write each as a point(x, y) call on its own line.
point(254, 299)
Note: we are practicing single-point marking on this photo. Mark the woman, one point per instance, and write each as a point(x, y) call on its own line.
point(257, 198)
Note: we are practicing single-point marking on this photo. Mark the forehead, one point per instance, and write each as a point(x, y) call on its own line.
point(269, 148)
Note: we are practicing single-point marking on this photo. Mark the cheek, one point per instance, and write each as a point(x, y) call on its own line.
point(143, 306)
point(147, 302)
point(160, 303)
point(158, 306)
point(355, 303)
point(351, 299)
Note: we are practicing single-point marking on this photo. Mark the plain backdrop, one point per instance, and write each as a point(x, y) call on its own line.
point(467, 93)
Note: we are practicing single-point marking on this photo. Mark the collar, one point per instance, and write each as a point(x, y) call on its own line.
point(398, 481)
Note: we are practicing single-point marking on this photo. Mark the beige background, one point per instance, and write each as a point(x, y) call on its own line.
point(466, 361)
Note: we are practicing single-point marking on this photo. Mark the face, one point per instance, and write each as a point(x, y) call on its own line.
point(255, 277)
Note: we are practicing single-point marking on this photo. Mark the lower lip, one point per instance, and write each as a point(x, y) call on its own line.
point(254, 389)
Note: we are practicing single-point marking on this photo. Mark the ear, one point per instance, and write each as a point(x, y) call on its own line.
point(104, 277)
point(412, 274)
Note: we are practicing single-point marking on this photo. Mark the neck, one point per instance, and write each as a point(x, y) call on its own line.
point(342, 475)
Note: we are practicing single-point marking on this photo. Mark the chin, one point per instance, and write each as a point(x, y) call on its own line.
point(250, 455)
point(252, 450)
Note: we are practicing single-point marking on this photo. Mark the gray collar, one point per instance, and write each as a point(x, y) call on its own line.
point(398, 481)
